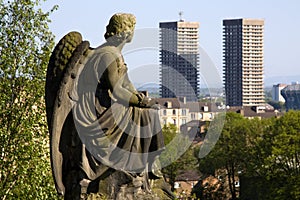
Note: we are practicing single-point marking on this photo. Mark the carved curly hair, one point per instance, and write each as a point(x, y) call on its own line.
point(120, 26)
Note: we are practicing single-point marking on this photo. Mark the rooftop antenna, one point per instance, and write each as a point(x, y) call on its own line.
point(180, 16)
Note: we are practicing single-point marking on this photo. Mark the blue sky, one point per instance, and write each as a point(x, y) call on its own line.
point(282, 24)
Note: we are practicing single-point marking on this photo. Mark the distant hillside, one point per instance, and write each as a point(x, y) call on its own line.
point(152, 88)
point(270, 81)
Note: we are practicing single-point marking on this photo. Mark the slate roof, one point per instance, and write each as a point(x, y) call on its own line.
point(189, 175)
point(246, 111)
point(250, 111)
point(163, 102)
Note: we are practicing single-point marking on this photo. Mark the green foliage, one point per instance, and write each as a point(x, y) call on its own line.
point(179, 155)
point(263, 153)
point(25, 47)
point(268, 94)
point(169, 156)
point(169, 133)
point(273, 161)
point(283, 163)
point(229, 152)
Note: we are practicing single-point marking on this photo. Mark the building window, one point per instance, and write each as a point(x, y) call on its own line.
point(193, 116)
point(164, 112)
point(174, 121)
point(183, 112)
point(174, 112)
point(165, 122)
point(183, 121)
point(200, 116)
point(237, 184)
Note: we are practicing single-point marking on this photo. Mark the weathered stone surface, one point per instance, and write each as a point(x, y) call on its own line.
point(87, 140)
point(119, 186)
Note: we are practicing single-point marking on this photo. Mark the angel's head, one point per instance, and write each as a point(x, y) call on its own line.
point(120, 27)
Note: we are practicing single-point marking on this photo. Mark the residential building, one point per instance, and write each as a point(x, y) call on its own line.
point(185, 182)
point(291, 94)
point(276, 92)
point(243, 61)
point(179, 60)
point(188, 116)
point(179, 112)
point(251, 112)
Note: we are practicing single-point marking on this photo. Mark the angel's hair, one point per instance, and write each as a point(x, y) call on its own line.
point(120, 26)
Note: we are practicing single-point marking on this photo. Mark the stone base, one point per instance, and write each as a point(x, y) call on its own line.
point(118, 186)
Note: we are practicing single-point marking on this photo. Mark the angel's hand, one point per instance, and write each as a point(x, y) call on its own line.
point(141, 96)
point(149, 103)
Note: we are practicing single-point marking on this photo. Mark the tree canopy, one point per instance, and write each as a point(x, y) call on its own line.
point(262, 154)
point(25, 46)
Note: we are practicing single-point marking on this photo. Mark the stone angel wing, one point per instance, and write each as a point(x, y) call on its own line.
point(63, 68)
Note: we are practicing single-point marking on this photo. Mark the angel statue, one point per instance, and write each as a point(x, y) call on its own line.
point(105, 136)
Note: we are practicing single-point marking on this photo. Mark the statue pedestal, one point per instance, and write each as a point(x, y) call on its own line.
point(118, 186)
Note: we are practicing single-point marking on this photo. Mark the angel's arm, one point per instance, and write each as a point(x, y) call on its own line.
point(128, 84)
point(116, 84)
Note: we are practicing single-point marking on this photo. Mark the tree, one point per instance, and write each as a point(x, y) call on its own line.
point(178, 156)
point(273, 165)
point(169, 156)
point(265, 152)
point(253, 184)
point(25, 47)
point(230, 152)
point(282, 166)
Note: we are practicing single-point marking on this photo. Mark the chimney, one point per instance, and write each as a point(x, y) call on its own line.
point(182, 99)
point(168, 104)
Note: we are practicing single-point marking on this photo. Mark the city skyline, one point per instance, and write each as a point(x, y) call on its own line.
point(281, 38)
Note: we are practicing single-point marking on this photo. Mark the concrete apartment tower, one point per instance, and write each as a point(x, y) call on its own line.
point(179, 60)
point(243, 43)
point(276, 92)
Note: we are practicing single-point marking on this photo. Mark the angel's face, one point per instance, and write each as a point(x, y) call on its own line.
point(129, 36)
